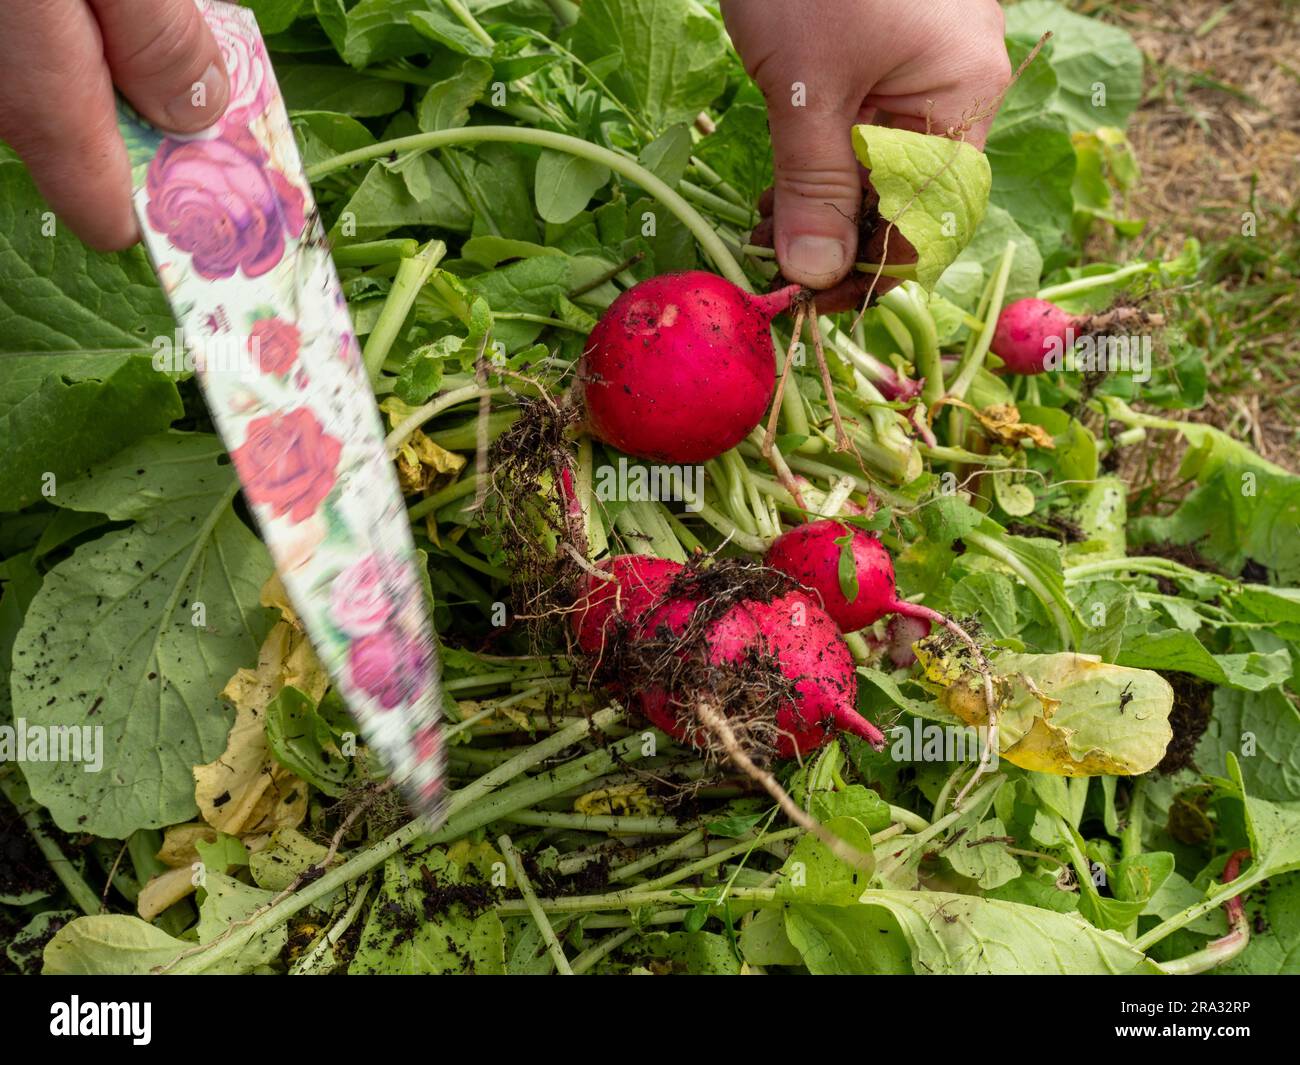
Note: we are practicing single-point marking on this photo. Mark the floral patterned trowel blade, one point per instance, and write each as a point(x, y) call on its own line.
point(230, 225)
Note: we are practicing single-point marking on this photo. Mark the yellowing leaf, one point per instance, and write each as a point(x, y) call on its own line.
point(420, 462)
point(246, 791)
point(177, 850)
point(622, 800)
point(1003, 425)
point(1067, 714)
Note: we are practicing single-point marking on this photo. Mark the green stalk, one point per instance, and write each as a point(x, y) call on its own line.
point(991, 547)
point(507, 848)
point(709, 240)
point(633, 900)
point(1086, 284)
point(375, 252)
point(15, 791)
point(645, 826)
point(466, 486)
point(411, 277)
point(972, 362)
point(925, 339)
point(1212, 902)
point(470, 808)
point(432, 409)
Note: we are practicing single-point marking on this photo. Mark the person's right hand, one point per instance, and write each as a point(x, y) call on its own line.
point(59, 60)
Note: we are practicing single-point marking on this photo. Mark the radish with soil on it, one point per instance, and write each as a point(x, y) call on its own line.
point(853, 575)
point(681, 367)
point(635, 583)
point(748, 674)
point(800, 638)
point(1030, 331)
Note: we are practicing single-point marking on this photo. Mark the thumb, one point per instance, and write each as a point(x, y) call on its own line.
point(818, 193)
point(165, 60)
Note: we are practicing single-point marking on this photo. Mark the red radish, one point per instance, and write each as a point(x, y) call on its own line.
point(681, 367)
point(807, 649)
point(900, 634)
point(638, 581)
point(1028, 331)
point(810, 554)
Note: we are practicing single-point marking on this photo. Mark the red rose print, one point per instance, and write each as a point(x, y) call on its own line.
point(275, 343)
point(288, 462)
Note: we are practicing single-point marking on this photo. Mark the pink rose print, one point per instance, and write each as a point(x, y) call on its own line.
point(288, 462)
point(388, 666)
point(251, 78)
point(275, 342)
point(427, 742)
point(359, 602)
point(220, 201)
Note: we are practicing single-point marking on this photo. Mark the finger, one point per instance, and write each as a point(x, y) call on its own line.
point(818, 190)
point(165, 60)
point(57, 112)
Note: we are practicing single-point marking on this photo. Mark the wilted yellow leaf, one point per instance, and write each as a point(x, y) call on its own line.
point(1072, 715)
point(1003, 425)
point(246, 791)
point(420, 462)
point(622, 800)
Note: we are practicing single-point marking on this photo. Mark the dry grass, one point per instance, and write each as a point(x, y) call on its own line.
point(1218, 136)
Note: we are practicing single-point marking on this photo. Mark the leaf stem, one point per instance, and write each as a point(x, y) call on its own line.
point(629, 168)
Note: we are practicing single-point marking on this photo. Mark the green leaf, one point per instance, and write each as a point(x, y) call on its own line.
point(275, 15)
point(564, 184)
point(136, 664)
point(1263, 730)
point(437, 25)
point(329, 87)
point(446, 105)
point(763, 941)
point(668, 155)
point(404, 935)
point(325, 134)
point(934, 190)
point(302, 741)
point(1176, 649)
point(1274, 829)
point(379, 29)
point(693, 953)
point(740, 149)
point(847, 572)
point(962, 934)
point(24, 950)
point(813, 875)
point(670, 59)
point(60, 297)
point(383, 203)
point(1087, 55)
point(110, 944)
point(982, 856)
point(61, 414)
point(1031, 155)
point(226, 901)
point(848, 940)
point(984, 253)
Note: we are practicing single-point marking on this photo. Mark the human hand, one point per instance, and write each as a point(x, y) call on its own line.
point(930, 67)
point(59, 63)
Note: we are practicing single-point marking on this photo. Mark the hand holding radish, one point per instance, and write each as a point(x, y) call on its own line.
point(925, 67)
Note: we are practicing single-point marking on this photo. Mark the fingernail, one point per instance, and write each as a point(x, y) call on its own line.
point(201, 103)
point(822, 257)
